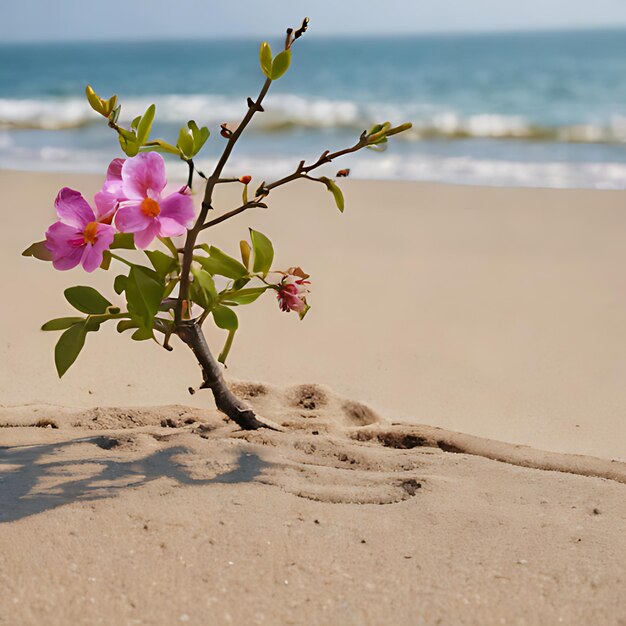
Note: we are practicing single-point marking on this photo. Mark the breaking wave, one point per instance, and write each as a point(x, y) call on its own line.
point(285, 112)
point(417, 167)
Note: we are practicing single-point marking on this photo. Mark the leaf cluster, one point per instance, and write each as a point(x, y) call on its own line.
point(136, 138)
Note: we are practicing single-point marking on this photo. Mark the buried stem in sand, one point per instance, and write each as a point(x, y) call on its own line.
point(182, 287)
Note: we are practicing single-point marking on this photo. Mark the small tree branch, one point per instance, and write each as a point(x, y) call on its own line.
point(191, 170)
point(225, 401)
point(300, 172)
point(192, 235)
point(244, 207)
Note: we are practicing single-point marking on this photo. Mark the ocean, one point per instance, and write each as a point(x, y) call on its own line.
point(544, 109)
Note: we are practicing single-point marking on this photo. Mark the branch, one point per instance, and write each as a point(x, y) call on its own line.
point(212, 181)
point(191, 170)
point(301, 171)
point(244, 207)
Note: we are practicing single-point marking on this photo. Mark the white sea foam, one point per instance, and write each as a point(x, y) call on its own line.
point(459, 170)
point(285, 111)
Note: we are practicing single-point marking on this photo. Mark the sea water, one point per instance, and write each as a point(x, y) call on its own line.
point(544, 109)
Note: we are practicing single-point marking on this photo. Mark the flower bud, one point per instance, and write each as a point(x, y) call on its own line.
point(245, 179)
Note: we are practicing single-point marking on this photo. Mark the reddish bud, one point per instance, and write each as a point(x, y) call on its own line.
point(343, 173)
point(245, 179)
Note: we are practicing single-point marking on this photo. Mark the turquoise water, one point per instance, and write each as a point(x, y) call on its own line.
point(530, 109)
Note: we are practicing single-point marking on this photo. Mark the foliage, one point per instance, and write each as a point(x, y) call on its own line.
point(168, 281)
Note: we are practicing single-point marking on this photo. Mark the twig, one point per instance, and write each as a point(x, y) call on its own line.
point(301, 171)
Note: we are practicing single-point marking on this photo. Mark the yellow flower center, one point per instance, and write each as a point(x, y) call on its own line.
point(150, 207)
point(90, 234)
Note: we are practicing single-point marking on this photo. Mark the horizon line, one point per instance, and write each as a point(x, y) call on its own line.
point(317, 36)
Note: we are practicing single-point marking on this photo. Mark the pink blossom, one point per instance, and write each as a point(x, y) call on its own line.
point(143, 211)
point(78, 236)
point(107, 200)
point(292, 292)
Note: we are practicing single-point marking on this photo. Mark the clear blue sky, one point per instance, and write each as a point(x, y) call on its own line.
point(62, 20)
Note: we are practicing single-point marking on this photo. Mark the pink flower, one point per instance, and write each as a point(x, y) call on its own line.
point(292, 292)
point(108, 199)
point(78, 236)
point(142, 210)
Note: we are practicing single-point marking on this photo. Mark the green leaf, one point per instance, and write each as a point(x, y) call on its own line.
point(280, 64)
point(92, 323)
point(39, 251)
point(204, 135)
point(161, 146)
point(144, 292)
point(227, 346)
point(220, 263)
point(135, 123)
point(106, 260)
point(169, 244)
point(244, 246)
point(200, 135)
point(144, 126)
point(61, 323)
point(265, 59)
point(206, 282)
point(142, 334)
point(114, 115)
point(243, 296)
point(109, 105)
point(163, 263)
point(334, 189)
point(123, 325)
point(193, 127)
point(379, 146)
point(130, 147)
point(123, 241)
point(240, 283)
point(119, 284)
point(86, 299)
point(96, 103)
point(68, 347)
point(399, 129)
point(263, 252)
point(185, 142)
point(225, 318)
point(131, 135)
point(203, 289)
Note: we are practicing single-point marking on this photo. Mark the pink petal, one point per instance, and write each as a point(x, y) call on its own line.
point(170, 228)
point(177, 207)
point(62, 240)
point(130, 218)
point(143, 175)
point(92, 255)
point(73, 209)
point(68, 261)
point(106, 204)
point(112, 193)
point(91, 259)
point(143, 238)
point(105, 233)
point(59, 235)
point(66, 245)
point(113, 180)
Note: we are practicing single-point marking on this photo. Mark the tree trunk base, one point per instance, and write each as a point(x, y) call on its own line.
point(225, 400)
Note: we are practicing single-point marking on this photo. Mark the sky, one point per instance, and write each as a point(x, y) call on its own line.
point(71, 20)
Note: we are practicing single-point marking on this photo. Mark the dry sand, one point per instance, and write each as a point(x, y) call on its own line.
point(496, 313)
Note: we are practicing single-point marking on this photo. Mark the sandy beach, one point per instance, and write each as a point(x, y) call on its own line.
point(453, 445)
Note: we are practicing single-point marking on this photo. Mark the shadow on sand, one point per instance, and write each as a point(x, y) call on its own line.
point(23, 470)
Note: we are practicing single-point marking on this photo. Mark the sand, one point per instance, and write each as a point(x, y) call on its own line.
point(453, 443)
